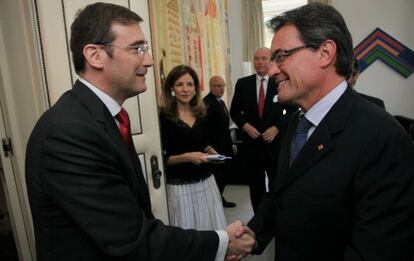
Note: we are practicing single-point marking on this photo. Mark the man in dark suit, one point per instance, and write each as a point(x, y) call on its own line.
point(87, 193)
point(263, 120)
point(344, 189)
point(219, 121)
point(352, 81)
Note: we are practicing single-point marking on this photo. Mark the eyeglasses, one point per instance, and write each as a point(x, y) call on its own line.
point(280, 56)
point(140, 49)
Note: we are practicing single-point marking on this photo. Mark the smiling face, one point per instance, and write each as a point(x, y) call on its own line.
point(261, 61)
point(298, 76)
point(125, 69)
point(184, 89)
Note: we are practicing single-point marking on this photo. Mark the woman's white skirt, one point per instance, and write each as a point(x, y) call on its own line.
point(196, 206)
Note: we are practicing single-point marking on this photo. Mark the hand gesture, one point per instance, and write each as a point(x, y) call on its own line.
point(270, 134)
point(196, 157)
point(234, 148)
point(241, 241)
point(251, 131)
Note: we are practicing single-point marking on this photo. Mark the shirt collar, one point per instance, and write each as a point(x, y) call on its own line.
point(318, 111)
point(109, 102)
point(258, 77)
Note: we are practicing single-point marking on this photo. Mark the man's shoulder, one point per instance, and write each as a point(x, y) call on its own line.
point(373, 99)
point(208, 98)
point(69, 109)
point(370, 117)
point(247, 78)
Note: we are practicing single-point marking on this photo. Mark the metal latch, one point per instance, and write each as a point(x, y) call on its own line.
point(156, 172)
point(7, 146)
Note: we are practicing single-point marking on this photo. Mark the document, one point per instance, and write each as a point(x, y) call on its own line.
point(217, 157)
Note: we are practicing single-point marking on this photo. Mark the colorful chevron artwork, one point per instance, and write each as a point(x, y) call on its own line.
point(382, 46)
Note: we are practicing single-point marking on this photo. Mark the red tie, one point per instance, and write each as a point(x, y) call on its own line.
point(124, 127)
point(261, 97)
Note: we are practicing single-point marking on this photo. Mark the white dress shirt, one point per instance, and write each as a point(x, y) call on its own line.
point(318, 111)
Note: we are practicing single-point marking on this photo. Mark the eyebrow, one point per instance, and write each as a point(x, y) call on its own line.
point(139, 42)
point(278, 50)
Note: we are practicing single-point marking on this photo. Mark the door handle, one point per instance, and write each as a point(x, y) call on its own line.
point(156, 172)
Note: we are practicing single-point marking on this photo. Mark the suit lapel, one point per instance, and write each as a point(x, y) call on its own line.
point(251, 92)
point(99, 111)
point(319, 144)
point(217, 106)
point(270, 93)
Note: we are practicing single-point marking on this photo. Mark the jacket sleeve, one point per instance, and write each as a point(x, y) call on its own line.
point(263, 222)
point(85, 177)
point(236, 108)
point(384, 201)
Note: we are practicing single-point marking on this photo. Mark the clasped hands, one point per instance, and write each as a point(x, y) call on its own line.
point(267, 136)
point(241, 241)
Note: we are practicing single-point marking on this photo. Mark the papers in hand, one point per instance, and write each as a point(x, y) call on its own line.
point(217, 157)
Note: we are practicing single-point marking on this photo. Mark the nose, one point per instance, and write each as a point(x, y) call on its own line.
point(148, 60)
point(187, 87)
point(274, 70)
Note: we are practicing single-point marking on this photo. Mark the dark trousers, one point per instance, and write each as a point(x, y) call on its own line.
point(256, 171)
point(221, 173)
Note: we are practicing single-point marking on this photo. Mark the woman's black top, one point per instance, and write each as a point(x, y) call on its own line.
point(178, 138)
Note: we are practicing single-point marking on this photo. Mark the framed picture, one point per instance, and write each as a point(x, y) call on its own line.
point(191, 32)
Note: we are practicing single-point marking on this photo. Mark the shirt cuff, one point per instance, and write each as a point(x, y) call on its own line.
point(222, 247)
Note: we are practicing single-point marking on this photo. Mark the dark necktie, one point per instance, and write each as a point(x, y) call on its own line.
point(224, 106)
point(300, 136)
point(124, 127)
point(261, 98)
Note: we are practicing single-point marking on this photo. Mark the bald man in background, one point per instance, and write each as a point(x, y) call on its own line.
point(219, 121)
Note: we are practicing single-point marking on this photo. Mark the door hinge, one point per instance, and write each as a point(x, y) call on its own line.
point(7, 147)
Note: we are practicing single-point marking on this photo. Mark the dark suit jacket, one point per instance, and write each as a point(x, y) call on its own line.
point(349, 195)
point(218, 123)
point(374, 100)
point(244, 109)
point(88, 197)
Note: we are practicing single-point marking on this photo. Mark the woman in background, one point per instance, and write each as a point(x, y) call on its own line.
point(193, 197)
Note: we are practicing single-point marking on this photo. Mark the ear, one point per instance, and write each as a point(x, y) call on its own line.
point(327, 53)
point(94, 56)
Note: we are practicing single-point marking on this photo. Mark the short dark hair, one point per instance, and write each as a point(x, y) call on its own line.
point(169, 103)
point(92, 25)
point(317, 23)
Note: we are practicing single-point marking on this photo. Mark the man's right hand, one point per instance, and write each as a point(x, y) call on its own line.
point(241, 241)
point(251, 131)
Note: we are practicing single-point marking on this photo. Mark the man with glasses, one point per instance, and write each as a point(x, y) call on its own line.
point(87, 193)
point(263, 120)
point(344, 189)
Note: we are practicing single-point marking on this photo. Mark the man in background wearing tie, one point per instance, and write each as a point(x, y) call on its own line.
point(219, 121)
point(344, 189)
point(87, 193)
point(263, 120)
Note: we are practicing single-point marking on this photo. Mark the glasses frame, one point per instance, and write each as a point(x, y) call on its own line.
point(141, 49)
point(280, 56)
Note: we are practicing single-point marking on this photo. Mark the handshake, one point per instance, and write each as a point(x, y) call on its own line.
point(241, 241)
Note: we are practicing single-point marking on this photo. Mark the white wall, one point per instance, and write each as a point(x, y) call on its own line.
point(362, 17)
point(394, 17)
point(236, 43)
